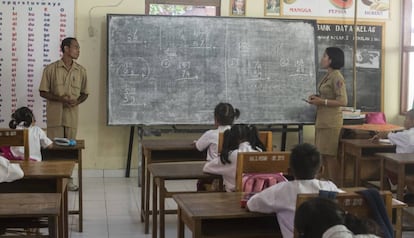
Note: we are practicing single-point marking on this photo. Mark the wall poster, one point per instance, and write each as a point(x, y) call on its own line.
point(30, 36)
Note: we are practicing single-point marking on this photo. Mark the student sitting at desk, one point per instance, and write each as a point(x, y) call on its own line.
point(240, 138)
point(322, 217)
point(224, 116)
point(404, 141)
point(8, 171)
point(23, 118)
point(305, 163)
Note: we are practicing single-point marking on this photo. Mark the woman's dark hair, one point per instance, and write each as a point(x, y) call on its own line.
point(225, 114)
point(23, 114)
point(237, 134)
point(316, 215)
point(336, 55)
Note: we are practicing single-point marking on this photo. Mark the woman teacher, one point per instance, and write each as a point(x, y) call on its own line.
point(332, 96)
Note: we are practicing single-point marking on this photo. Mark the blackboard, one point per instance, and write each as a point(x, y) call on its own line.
point(169, 70)
point(369, 60)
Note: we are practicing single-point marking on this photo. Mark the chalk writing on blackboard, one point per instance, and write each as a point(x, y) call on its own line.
point(174, 70)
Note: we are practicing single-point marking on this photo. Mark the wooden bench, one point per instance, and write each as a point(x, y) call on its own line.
point(25, 210)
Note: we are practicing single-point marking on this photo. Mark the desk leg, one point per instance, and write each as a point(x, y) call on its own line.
point(341, 182)
point(197, 229)
point(398, 222)
point(180, 224)
point(154, 206)
point(143, 171)
point(357, 171)
point(147, 191)
point(163, 191)
point(80, 221)
point(401, 182)
point(382, 174)
point(53, 229)
point(64, 214)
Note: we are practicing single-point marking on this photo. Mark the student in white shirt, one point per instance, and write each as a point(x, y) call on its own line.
point(8, 171)
point(404, 142)
point(224, 116)
point(321, 217)
point(240, 138)
point(23, 118)
point(305, 163)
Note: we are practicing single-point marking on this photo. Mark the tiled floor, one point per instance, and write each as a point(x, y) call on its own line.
point(111, 209)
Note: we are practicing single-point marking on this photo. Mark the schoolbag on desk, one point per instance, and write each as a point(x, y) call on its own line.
point(256, 182)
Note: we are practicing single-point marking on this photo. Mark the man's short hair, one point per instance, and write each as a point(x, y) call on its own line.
point(66, 42)
point(305, 161)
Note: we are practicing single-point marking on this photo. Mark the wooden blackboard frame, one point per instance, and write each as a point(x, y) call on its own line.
point(348, 69)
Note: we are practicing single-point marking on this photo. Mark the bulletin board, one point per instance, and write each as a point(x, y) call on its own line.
point(369, 59)
point(30, 36)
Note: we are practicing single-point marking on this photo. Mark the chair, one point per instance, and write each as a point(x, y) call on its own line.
point(353, 203)
point(266, 137)
point(260, 162)
point(13, 137)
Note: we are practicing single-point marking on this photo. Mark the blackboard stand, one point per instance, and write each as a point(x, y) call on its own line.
point(284, 129)
point(130, 144)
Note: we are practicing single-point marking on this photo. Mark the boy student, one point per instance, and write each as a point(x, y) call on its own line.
point(404, 141)
point(280, 198)
point(9, 171)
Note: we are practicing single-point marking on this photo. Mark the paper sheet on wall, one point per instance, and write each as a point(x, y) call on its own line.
point(30, 36)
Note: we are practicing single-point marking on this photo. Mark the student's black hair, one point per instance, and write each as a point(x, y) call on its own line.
point(305, 161)
point(336, 55)
point(237, 134)
point(225, 114)
point(22, 114)
point(316, 215)
point(66, 42)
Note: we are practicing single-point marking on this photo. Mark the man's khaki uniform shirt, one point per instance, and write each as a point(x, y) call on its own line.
point(60, 81)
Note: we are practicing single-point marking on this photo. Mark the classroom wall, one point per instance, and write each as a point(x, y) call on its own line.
point(106, 146)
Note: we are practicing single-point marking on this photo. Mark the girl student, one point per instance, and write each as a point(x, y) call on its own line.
point(23, 118)
point(224, 116)
point(240, 138)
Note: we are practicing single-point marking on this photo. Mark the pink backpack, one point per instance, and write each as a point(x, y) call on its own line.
point(256, 182)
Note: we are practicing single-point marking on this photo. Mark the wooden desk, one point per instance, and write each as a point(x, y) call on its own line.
point(31, 205)
point(396, 205)
point(374, 127)
point(69, 153)
point(45, 177)
point(155, 151)
point(220, 215)
point(361, 150)
point(173, 171)
point(396, 163)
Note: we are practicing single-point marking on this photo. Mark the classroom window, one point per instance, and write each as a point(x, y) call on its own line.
point(407, 59)
point(182, 7)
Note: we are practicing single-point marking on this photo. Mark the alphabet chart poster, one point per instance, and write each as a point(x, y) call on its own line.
point(30, 36)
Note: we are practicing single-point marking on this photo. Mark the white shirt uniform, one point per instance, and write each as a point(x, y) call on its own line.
point(8, 171)
point(37, 138)
point(341, 231)
point(281, 199)
point(404, 140)
point(228, 171)
point(210, 140)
